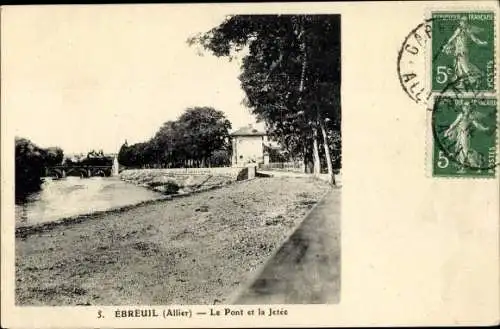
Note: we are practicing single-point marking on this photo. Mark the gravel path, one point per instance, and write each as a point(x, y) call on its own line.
point(306, 268)
point(193, 250)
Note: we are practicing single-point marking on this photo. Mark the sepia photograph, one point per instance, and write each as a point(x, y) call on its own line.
point(168, 161)
point(320, 164)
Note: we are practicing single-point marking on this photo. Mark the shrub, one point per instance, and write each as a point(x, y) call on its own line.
point(168, 187)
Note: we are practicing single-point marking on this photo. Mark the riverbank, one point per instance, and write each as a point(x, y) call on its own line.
point(185, 180)
point(72, 199)
point(193, 250)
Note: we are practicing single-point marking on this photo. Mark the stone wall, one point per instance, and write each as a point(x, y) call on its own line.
point(188, 179)
point(218, 171)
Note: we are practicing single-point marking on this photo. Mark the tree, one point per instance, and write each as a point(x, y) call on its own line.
point(30, 163)
point(204, 130)
point(220, 158)
point(164, 144)
point(291, 75)
point(190, 141)
point(54, 156)
point(123, 154)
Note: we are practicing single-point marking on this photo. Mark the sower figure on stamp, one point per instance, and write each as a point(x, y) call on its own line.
point(457, 46)
point(459, 133)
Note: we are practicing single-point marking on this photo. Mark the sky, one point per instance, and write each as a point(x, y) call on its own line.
point(91, 77)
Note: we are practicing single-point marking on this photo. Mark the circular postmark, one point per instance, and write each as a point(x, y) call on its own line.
point(411, 64)
point(443, 49)
point(464, 122)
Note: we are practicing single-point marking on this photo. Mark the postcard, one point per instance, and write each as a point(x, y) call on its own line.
point(250, 165)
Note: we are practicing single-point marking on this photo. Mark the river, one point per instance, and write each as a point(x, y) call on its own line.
point(73, 196)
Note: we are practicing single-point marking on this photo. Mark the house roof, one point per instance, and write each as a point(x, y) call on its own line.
point(248, 131)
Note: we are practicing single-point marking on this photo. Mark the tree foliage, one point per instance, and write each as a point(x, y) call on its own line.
point(54, 156)
point(199, 137)
point(95, 158)
point(290, 74)
point(30, 163)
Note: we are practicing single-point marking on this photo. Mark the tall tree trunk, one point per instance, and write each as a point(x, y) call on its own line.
point(317, 167)
point(306, 159)
point(331, 176)
point(303, 48)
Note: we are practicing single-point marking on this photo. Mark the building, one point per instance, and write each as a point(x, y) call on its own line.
point(248, 146)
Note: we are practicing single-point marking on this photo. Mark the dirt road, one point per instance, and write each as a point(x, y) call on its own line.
point(306, 269)
point(193, 250)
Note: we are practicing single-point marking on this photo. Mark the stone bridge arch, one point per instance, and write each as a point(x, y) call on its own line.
point(77, 171)
point(55, 172)
point(101, 172)
point(81, 171)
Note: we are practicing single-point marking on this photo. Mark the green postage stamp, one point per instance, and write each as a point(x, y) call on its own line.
point(463, 48)
point(464, 131)
point(464, 94)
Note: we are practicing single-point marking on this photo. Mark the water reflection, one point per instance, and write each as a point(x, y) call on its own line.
point(74, 196)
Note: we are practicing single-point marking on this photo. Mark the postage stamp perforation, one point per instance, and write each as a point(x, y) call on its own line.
point(464, 44)
point(429, 151)
point(464, 135)
point(463, 89)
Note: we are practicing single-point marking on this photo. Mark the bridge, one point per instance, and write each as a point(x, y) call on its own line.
point(83, 171)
